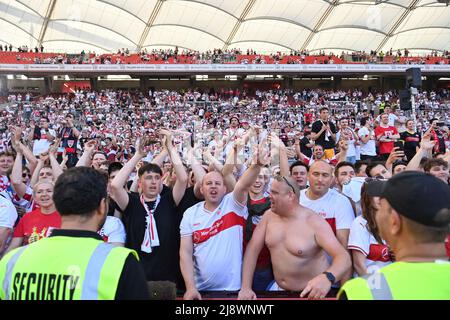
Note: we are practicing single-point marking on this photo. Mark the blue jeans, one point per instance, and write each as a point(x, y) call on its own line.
point(262, 279)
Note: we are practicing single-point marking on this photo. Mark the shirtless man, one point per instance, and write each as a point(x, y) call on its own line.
point(297, 239)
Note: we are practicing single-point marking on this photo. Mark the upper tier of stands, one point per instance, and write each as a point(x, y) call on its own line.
point(8, 57)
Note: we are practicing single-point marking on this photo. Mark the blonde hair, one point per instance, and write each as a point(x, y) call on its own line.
point(50, 182)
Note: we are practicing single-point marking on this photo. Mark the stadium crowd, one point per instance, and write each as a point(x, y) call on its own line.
point(23, 54)
point(191, 174)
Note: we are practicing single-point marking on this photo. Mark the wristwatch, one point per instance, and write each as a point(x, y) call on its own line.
point(330, 277)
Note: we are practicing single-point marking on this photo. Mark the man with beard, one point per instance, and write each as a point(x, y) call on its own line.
point(74, 263)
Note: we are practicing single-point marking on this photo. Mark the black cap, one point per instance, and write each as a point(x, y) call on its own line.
point(415, 195)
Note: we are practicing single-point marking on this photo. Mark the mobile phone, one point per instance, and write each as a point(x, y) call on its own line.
point(399, 145)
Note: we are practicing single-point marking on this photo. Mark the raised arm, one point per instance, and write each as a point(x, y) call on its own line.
point(198, 170)
point(26, 152)
point(159, 159)
point(343, 147)
point(230, 164)
point(394, 156)
point(75, 131)
point(16, 175)
point(56, 168)
point(426, 146)
point(135, 184)
point(41, 162)
point(282, 152)
point(212, 160)
point(86, 158)
point(260, 158)
point(180, 184)
point(118, 192)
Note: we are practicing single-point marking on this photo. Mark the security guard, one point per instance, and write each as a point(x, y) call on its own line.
point(413, 218)
point(74, 263)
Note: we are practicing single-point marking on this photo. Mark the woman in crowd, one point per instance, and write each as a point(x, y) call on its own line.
point(368, 250)
point(40, 222)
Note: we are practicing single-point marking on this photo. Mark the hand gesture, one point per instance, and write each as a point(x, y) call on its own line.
point(17, 131)
point(290, 153)
point(238, 144)
point(317, 288)
point(427, 144)
point(261, 156)
point(44, 157)
point(17, 146)
point(192, 294)
point(90, 146)
point(246, 294)
point(343, 145)
point(139, 165)
point(53, 148)
point(143, 146)
point(275, 141)
point(395, 155)
point(65, 157)
point(168, 135)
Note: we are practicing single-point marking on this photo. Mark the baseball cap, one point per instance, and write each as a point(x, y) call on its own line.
point(415, 195)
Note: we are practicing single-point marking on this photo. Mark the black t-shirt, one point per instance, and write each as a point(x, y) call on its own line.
point(112, 207)
point(412, 140)
point(162, 263)
point(316, 127)
point(304, 149)
point(189, 200)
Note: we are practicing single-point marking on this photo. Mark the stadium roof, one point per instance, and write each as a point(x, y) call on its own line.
point(262, 25)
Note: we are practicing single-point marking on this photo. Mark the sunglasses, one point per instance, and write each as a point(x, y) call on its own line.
point(24, 175)
point(280, 178)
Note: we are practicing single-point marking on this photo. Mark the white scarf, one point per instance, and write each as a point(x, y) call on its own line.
point(151, 238)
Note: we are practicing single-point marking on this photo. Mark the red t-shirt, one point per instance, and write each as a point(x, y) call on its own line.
point(386, 147)
point(35, 225)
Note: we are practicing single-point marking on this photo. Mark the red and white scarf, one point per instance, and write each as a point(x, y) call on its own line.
point(151, 238)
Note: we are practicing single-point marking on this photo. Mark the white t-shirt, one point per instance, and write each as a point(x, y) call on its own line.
point(42, 145)
point(351, 152)
point(392, 119)
point(8, 213)
point(333, 207)
point(113, 230)
point(360, 239)
point(353, 190)
point(369, 148)
point(218, 243)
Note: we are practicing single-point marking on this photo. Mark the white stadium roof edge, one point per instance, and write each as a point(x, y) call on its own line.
point(266, 26)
